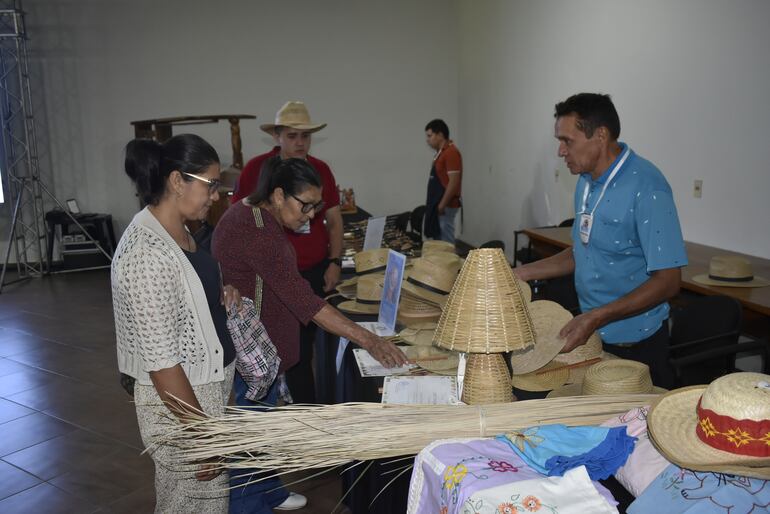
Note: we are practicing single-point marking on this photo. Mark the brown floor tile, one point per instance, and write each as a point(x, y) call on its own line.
point(61, 454)
point(45, 498)
point(30, 430)
point(127, 471)
point(13, 342)
point(8, 366)
point(46, 396)
point(13, 480)
point(140, 501)
point(28, 378)
point(11, 410)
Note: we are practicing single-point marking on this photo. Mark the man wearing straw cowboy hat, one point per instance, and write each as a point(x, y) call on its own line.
point(319, 244)
point(627, 243)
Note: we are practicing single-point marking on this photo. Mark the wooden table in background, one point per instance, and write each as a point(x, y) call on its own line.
point(755, 300)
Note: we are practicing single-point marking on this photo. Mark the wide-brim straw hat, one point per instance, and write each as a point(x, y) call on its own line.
point(420, 334)
point(486, 311)
point(436, 359)
point(368, 296)
point(432, 276)
point(542, 379)
point(577, 374)
point(730, 271)
point(371, 261)
point(486, 380)
point(410, 319)
point(526, 290)
point(293, 115)
point(548, 318)
point(435, 245)
point(617, 376)
point(736, 416)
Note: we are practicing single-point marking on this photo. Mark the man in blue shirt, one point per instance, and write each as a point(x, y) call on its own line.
point(628, 247)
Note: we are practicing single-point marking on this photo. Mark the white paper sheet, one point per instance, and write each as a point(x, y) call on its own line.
point(375, 228)
point(371, 326)
point(369, 367)
point(427, 390)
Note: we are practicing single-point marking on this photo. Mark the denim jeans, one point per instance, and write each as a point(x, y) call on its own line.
point(259, 497)
point(447, 223)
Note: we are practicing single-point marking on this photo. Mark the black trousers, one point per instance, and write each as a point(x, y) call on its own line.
point(652, 351)
point(300, 377)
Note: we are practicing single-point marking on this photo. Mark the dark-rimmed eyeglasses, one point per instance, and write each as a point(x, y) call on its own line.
point(212, 182)
point(309, 206)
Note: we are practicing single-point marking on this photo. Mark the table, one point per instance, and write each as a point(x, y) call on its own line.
point(99, 227)
point(755, 300)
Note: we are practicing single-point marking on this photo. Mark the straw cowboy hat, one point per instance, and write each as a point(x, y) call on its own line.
point(730, 271)
point(293, 115)
point(542, 379)
point(368, 295)
point(415, 311)
point(436, 359)
point(419, 334)
point(619, 376)
point(722, 427)
point(367, 262)
point(548, 318)
point(432, 276)
point(433, 246)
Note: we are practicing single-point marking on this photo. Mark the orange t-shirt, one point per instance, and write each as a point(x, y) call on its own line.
point(449, 159)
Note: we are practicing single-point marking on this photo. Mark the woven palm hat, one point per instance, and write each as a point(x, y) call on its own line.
point(371, 261)
point(577, 374)
point(293, 115)
point(415, 311)
point(486, 380)
point(548, 318)
point(526, 291)
point(368, 295)
point(436, 359)
point(420, 334)
point(730, 271)
point(618, 376)
point(432, 276)
point(434, 245)
point(543, 379)
point(486, 311)
point(722, 427)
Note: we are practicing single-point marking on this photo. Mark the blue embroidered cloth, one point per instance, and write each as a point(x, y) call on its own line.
point(695, 492)
point(555, 449)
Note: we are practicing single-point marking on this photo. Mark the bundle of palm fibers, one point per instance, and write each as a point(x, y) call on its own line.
point(301, 437)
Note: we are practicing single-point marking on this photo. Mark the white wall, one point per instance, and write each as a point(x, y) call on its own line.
point(690, 80)
point(376, 72)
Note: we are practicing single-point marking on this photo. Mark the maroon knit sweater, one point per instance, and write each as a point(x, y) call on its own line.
point(245, 252)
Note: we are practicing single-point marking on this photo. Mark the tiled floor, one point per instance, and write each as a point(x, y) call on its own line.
point(68, 435)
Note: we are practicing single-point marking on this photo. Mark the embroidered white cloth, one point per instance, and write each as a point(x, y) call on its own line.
point(572, 493)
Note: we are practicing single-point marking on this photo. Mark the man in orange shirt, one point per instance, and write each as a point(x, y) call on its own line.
point(444, 185)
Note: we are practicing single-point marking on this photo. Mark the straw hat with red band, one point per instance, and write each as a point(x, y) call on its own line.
point(723, 427)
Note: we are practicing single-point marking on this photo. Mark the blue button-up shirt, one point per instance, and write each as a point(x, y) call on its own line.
point(635, 232)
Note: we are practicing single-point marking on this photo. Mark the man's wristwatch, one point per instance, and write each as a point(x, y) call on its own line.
point(336, 261)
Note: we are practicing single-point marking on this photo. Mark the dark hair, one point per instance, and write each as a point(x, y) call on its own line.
point(149, 163)
point(438, 126)
point(291, 175)
point(593, 110)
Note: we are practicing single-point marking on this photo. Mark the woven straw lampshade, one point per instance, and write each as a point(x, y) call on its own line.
point(486, 380)
point(486, 311)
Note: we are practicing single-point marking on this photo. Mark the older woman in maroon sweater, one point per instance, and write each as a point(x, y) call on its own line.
point(257, 259)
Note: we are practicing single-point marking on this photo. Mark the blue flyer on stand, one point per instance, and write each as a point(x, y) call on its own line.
point(391, 291)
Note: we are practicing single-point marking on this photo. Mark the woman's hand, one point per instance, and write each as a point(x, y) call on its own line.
point(231, 297)
point(386, 353)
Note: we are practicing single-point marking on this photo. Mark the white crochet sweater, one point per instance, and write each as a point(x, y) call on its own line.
point(162, 317)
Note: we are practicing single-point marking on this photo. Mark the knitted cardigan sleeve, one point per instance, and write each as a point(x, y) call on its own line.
point(149, 302)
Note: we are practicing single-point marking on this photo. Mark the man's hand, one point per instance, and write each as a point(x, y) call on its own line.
point(387, 353)
point(440, 210)
point(577, 331)
point(331, 276)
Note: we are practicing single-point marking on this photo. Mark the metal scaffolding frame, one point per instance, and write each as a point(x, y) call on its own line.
point(28, 237)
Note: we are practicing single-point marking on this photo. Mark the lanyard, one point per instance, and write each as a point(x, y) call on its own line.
point(606, 184)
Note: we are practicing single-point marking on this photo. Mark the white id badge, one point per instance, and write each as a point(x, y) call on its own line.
point(304, 229)
point(586, 221)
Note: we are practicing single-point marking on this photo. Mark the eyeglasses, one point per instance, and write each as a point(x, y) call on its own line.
point(212, 182)
point(309, 206)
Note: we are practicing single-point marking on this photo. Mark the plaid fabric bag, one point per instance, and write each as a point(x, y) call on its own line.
point(256, 357)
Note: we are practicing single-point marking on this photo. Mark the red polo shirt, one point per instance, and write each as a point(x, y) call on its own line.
point(449, 159)
point(311, 248)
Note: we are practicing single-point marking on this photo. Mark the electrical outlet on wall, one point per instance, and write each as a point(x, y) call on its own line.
point(697, 190)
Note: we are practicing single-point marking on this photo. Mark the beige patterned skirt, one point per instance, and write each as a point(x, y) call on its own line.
point(176, 489)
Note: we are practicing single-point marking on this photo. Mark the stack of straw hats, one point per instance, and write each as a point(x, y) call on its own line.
point(368, 295)
point(723, 427)
point(426, 287)
point(435, 360)
point(619, 376)
point(529, 368)
point(368, 262)
point(486, 313)
point(436, 246)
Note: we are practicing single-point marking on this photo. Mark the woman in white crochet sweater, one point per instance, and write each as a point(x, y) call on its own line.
point(170, 319)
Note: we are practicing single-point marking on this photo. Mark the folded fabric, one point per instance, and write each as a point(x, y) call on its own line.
point(555, 449)
point(571, 494)
point(645, 463)
point(683, 491)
